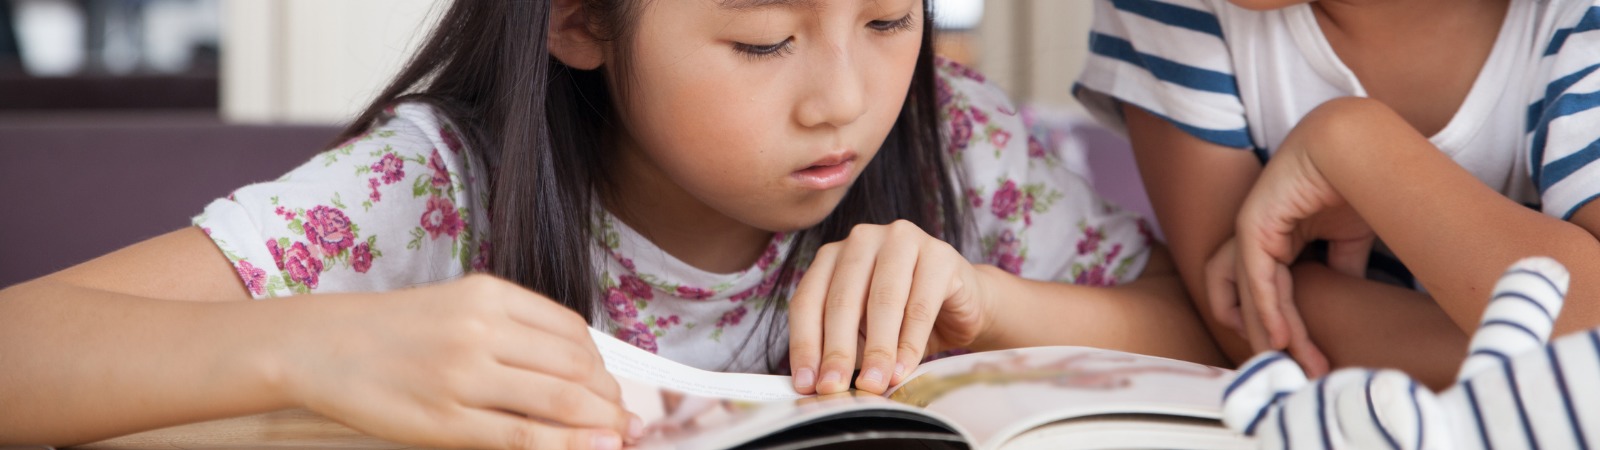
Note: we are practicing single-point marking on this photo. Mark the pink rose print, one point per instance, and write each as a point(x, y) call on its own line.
point(391, 167)
point(978, 116)
point(451, 141)
point(627, 264)
point(619, 307)
point(1091, 240)
point(1007, 253)
point(1000, 138)
point(770, 255)
point(1094, 276)
point(1116, 250)
point(361, 258)
point(960, 131)
point(732, 317)
point(373, 194)
point(1035, 149)
point(441, 218)
point(206, 230)
point(1004, 202)
point(441, 175)
point(329, 229)
point(277, 252)
point(302, 268)
point(693, 293)
point(667, 322)
point(281, 211)
point(480, 261)
point(636, 288)
point(254, 279)
point(973, 198)
point(638, 334)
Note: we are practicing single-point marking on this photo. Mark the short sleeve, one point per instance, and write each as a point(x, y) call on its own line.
point(400, 205)
point(1168, 57)
point(1564, 115)
point(1032, 215)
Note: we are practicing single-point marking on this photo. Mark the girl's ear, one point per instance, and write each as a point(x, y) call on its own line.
point(570, 39)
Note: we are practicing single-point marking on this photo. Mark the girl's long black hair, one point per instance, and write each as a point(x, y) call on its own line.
point(542, 130)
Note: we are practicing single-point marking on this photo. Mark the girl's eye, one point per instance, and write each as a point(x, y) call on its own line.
point(757, 52)
point(891, 26)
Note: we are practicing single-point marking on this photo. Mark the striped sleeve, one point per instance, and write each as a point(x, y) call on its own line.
point(1168, 57)
point(1564, 116)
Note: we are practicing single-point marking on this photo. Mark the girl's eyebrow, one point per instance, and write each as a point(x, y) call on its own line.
point(743, 5)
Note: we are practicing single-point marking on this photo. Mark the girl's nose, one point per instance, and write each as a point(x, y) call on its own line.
point(835, 92)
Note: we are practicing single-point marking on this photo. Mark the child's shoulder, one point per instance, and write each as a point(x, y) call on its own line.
point(401, 204)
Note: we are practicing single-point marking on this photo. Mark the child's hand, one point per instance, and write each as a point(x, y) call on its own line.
point(1290, 205)
point(478, 362)
point(907, 292)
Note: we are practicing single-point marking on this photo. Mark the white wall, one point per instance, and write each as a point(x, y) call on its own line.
point(314, 61)
point(1035, 48)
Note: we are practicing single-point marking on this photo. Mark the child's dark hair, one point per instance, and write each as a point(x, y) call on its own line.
point(542, 129)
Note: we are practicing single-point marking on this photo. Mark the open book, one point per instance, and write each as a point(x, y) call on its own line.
point(1041, 397)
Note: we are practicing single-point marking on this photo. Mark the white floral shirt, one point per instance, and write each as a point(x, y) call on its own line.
point(404, 205)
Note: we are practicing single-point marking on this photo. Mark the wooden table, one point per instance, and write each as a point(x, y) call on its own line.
point(295, 428)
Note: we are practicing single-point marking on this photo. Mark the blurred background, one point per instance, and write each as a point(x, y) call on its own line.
point(121, 119)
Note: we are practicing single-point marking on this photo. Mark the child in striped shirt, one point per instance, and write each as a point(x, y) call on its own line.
point(1459, 134)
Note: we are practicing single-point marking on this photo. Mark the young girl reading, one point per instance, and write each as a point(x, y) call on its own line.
point(665, 171)
point(1441, 128)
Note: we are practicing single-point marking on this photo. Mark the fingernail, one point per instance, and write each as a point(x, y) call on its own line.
point(899, 369)
point(804, 377)
point(873, 376)
point(828, 378)
point(607, 441)
point(635, 428)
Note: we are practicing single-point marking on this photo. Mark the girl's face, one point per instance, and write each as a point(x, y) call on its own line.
point(762, 111)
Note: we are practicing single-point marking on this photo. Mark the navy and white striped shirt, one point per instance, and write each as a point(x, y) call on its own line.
point(1528, 128)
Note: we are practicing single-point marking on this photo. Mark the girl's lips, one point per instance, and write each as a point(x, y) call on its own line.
point(829, 175)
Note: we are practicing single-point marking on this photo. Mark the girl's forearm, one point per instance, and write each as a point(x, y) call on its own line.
point(79, 365)
point(1455, 233)
point(1150, 315)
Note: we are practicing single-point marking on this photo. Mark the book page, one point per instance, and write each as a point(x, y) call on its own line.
point(688, 408)
point(624, 360)
point(997, 395)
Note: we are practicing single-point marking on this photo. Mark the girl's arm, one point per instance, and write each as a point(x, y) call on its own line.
point(153, 335)
point(1455, 233)
point(1196, 188)
point(1150, 315)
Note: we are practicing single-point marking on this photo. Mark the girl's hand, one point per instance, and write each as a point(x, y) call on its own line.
point(907, 293)
point(1290, 205)
point(478, 362)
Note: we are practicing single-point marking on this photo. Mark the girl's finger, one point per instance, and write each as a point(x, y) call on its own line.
point(842, 308)
point(1261, 272)
point(477, 428)
point(1222, 296)
point(933, 280)
point(1304, 351)
point(805, 319)
point(539, 351)
point(1254, 332)
point(892, 278)
point(546, 398)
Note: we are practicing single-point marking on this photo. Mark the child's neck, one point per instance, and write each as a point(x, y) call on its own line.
point(1420, 57)
point(681, 225)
